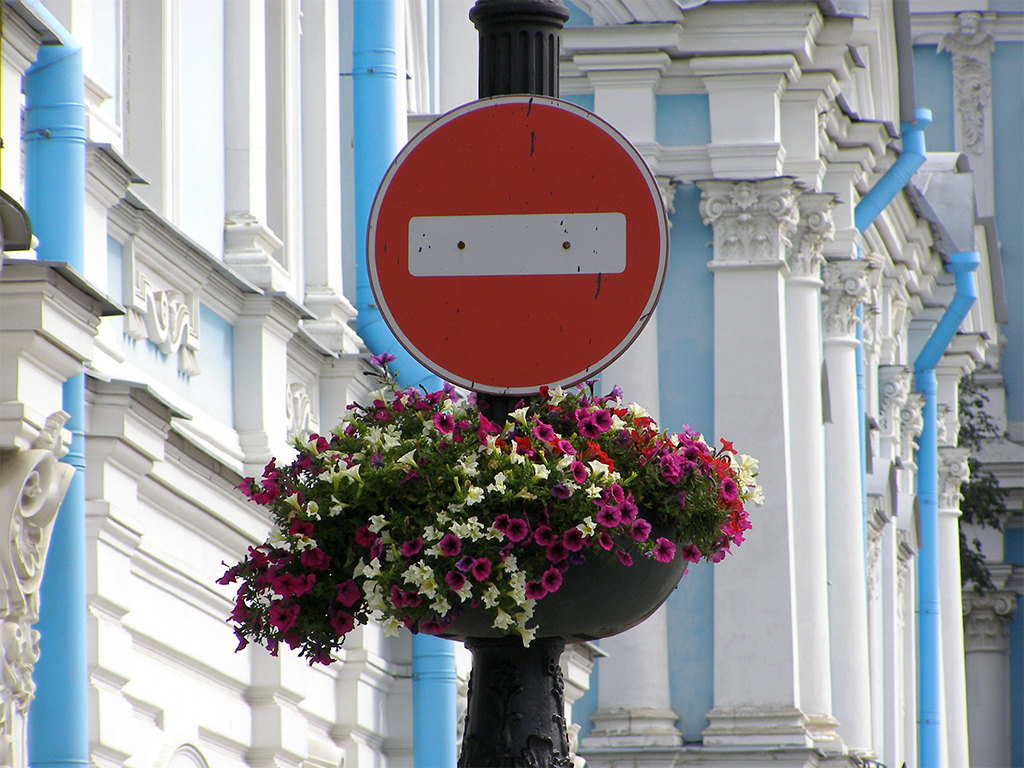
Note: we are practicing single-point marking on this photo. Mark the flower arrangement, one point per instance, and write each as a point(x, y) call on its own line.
point(418, 507)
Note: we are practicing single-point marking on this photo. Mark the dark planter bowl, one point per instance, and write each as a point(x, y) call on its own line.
point(597, 599)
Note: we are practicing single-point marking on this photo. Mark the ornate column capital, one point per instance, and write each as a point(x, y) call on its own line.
point(986, 620)
point(893, 387)
point(845, 287)
point(815, 228)
point(753, 221)
point(911, 424)
point(952, 471)
point(667, 188)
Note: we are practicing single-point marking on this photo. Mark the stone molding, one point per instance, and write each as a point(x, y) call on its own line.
point(633, 728)
point(986, 620)
point(166, 319)
point(667, 187)
point(971, 50)
point(32, 486)
point(953, 471)
point(911, 424)
point(760, 726)
point(753, 221)
point(893, 388)
point(298, 410)
point(815, 228)
point(845, 287)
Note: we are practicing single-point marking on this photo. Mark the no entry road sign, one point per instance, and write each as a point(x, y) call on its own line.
point(516, 242)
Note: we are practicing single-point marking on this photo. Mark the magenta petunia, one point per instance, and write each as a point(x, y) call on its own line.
point(605, 541)
point(412, 546)
point(430, 627)
point(412, 599)
point(578, 471)
point(573, 540)
point(450, 544)
point(682, 499)
point(501, 523)
point(281, 617)
point(608, 516)
point(552, 579)
point(544, 536)
point(444, 423)
point(664, 550)
point(348, 593)
point(455, 580)
point(557, 552)
point(565, 447)
point(690, 553)
point(382, 359)
point(640, 529)
point(544, 433)
point(616, 493)
point(397, 596)
point(624, 557)
point(603, 420)
point(629, 510)
point(465, 563)
point(535, 590)
point(588, 427)
point(730, 491)
point(342, 622)
point(481, 568)
point(518, 529)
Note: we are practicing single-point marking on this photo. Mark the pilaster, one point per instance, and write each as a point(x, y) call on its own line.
point(846, 286)
point(744, 95)
point(624, 86)
point(756, 622)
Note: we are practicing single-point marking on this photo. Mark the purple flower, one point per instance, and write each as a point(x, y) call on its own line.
point(517, 530)
point(588, 427)
point(455, 580)
point(603, 420)
point(430, 627)
point(561, 492)
point(671, 468)
point(682, 499)
point(481, 568)
point(382, 359)
point(465, 563)
point(664, 550)
point(535, 590)
point(412, 546)
point(573, 540)
point(624, 557)
point(450, 545)
point(579, 472)
point(552, 579)
point(576, 558)
point(544, 536)
point(615, 491)
point(444, 423)
point(342, 623)
point(544, 433)
point(640, 529)
point(730, 491)
point(605, 541)
point(608, 516)
point(348, 593)
point(616, 393)
point(501, 523)
point(557, 552)
point(412, 599)
point(565, 447)
point(690, 553)
point(629, 510)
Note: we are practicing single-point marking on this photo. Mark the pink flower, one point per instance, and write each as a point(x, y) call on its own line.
point(342, 622)
point(300, 528)
point(605, 541)
point(640, 529)
point(501, 523)
point(557, 552)
point(455, 580)
point(481, 568)
point(729, 489)
point(588, 427)
point(283, 618)
point(579, 472)
point(364, 536)
point(518, 529)
point(690, 553)
point(561, 492)
point(444, 423)
point(573, 540)
point(608, 516)
point(535, 590)
point(624, 557)
point(565, 447)
point(664, 551)
point(314, 558)
point(382, 359)
point(348, 593)
point(629, 510)
point(544, 433)
point(552, 579)
point(412, 546)
point(543, 536)
point(450, 544)
point(431, 627)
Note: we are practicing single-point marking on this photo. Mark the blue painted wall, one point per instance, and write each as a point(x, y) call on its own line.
point(1013, 544)
point(933, 89)
point(682, 119)
point(1008, 128)
point(585, 100)
point(577, 17)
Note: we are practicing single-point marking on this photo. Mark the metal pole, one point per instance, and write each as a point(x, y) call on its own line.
point(516, 710)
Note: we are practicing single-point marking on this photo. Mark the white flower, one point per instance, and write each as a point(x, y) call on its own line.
point(313, 510)
point(428, 588)
point(638, 411)
point(755, 494)
point(527, 634)
point(336, 507)
point(565, 461)
point(372, 570)
point(617, 424)
point(490, 596)
point(556, 395)
point(593, 491)
point(374, 435)
point(377, 522)
point(468, 466)
point(466, 592)
point(519, 414)
point(498, 486)
point(474, 495)
point(510, 564)
point(430, 533)
point(515, 457)
point(598, 468)
point(441, 605)
point(418, 574)
point(408, 459)
point(587, 527)
point(380, 394)
point(541, 472)
point(390, 625)
point(502, 620)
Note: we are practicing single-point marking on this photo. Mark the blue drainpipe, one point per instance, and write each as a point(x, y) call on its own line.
point(55, 199)
point(374, 99)
point(962, 265)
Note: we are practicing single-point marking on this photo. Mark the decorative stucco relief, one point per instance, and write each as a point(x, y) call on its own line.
point(32, 486)
point(846, 286)
point(953, 471)
point(298, 410)
point(752, 220)
point(815, 228)
point(971, 49)
point(986, 620)
point(893, 388)
point(911, 424)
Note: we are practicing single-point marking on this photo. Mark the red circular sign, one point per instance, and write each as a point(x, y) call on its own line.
point(517, 242)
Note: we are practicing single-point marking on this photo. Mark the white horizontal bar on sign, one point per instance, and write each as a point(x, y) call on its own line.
point(522, 244)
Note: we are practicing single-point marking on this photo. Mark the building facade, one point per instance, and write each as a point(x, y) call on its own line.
point(822, 232)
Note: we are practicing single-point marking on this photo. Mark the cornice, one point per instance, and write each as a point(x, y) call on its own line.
point(929, 28)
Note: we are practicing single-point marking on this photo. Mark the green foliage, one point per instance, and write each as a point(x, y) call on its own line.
point(983, 502)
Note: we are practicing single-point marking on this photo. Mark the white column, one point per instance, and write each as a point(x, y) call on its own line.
point(952, 472)
point(757, 687)
point(986, 621)
point(634, 703)
point(803, 336)
point(845, 288)
point(249, 243)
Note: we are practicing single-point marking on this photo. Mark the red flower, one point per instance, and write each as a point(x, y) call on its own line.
point(348, 593)
point(342, 623)
point(364, 536)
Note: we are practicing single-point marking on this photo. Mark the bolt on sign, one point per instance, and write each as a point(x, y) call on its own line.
point(517, 242)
